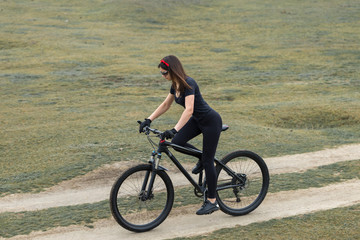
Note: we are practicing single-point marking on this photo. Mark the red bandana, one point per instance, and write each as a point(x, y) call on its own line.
point(162, 61)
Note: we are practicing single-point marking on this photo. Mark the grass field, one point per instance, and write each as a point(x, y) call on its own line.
point(75, 77)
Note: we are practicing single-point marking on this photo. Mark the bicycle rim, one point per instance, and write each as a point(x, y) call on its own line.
point(129, 204)
point(243, 193)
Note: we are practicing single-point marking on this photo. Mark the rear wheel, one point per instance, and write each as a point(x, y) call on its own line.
point(133, 207)
point(243, 184)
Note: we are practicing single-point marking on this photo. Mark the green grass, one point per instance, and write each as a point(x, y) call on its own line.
point(24, 222)
point(75, 77)
point(318, 177)
point(339, 223)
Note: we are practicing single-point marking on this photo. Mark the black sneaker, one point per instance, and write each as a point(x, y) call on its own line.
point(208, 208)
point(198, 168)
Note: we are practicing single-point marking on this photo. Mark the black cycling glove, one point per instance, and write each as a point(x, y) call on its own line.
point(143, 124)
point(168, 134)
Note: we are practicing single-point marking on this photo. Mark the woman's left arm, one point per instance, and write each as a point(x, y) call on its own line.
point(186, 115)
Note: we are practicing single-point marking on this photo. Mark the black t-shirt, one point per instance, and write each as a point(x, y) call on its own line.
point(201, 108)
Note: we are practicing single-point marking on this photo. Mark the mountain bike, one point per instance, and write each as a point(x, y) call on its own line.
point(142, 197)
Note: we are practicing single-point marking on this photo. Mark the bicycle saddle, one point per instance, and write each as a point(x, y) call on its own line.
point(224, 127)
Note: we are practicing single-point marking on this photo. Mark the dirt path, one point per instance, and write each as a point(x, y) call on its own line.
point(95, 186)
point(277, 205)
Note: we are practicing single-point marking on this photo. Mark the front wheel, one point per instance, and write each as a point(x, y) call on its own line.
point(134, 205)
point(242, 184)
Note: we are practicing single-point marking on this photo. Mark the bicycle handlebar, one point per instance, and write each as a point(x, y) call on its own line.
point(148, 129)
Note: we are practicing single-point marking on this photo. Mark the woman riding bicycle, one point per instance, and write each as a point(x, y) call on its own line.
point(198, 117)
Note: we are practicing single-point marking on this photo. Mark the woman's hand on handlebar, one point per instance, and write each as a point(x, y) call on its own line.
point(168, 134)
point(144, 124)
point(146, 129)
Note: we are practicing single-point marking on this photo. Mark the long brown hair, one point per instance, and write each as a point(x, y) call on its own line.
point(177, 73)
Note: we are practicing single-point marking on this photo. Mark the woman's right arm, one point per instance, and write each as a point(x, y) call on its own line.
point(163, 107)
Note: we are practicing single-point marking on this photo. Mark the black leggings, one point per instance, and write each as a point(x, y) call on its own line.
point(210, 126)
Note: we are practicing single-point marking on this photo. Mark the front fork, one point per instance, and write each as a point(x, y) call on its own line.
point(148, 188)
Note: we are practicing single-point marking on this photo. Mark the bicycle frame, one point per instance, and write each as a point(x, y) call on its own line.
point(188, 151)
point(201, 185)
